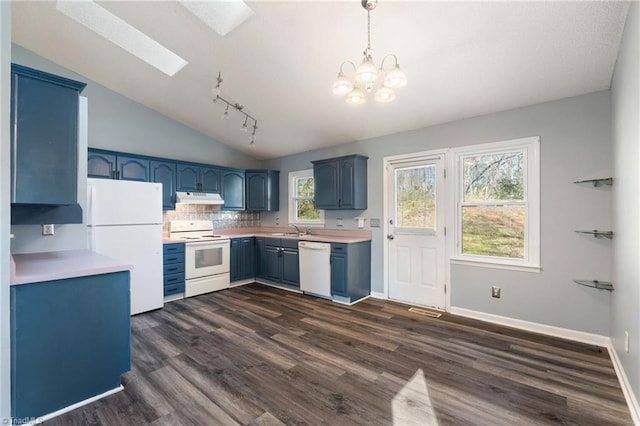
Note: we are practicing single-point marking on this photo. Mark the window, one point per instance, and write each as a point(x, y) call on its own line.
point(301, 191)
point(498, 203)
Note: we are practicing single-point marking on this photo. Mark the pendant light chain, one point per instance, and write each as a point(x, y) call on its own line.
point(368, 31)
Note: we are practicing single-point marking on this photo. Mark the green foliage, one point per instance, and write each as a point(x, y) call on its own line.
point(493, 231)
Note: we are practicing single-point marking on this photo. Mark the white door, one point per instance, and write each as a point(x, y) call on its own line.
point(416, 240)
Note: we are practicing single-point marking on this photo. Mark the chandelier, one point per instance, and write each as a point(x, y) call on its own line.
point(367, 73)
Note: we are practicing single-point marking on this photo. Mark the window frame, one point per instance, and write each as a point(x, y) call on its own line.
point(531, 180)
point(293, 176)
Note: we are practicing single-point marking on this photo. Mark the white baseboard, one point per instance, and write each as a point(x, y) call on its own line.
point(376, 295)
point(242, 282)
point(629, 396)
point(50, 416)
point(564, 333)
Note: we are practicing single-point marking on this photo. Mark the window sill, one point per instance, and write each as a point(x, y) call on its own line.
point(495, 265)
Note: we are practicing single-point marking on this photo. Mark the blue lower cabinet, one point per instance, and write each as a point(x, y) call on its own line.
point(173, 268)
point(260, 262)
point(350, 271)
point(281, 261)
point(70, 341)
point(242, 259)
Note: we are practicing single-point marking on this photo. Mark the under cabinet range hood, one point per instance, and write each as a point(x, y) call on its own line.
point(208, 198)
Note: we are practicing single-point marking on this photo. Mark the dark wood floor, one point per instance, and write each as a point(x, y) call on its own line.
point(262, 356)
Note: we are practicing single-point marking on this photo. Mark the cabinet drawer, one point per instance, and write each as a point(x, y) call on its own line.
point(174, 289)
point(173, 258)
point(173, 268)
point(173, 248)
point(272, 242)
point(285, 243)
point(338, 248)
point(173, 279)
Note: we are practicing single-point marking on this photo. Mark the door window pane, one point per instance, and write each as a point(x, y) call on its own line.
point(493, 231)
point(415, 197)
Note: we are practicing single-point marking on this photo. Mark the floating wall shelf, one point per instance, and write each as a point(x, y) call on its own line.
point(598, 234)
point(600, 285)
point(597, 181)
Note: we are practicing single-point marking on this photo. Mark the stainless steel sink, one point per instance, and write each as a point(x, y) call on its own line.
point(284, 234)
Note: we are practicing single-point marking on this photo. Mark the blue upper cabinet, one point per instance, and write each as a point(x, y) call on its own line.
point(112, 165)
point(44, 138)
point(192, 177)
point(262, 190)
point(233, 189)
point(164, 172)
point(341, 183)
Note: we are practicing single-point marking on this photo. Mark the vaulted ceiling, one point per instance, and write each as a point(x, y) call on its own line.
point(462, 59)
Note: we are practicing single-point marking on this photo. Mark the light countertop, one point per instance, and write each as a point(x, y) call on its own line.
point(321, 235)
point(59, 265)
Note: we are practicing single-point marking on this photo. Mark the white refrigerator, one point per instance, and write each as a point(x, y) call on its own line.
point(124, 220)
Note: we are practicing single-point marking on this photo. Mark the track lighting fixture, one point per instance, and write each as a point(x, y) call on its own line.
point(216, 90)
point(366, 74)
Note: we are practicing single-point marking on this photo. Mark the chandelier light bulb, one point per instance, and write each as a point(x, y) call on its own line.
point(395, 78)
point(356, 97)
point(367, 72)
point(342, 85)
point(385, 94)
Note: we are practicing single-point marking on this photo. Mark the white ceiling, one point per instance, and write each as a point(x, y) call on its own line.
point(462, 59)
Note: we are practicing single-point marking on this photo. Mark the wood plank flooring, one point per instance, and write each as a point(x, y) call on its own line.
point(263, 356)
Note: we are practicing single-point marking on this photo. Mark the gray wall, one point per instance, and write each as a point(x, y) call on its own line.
point(121, 124)
point(575, 144)
point(625, 301)
point(5, 102)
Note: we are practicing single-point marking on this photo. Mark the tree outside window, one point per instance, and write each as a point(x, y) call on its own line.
point(301, 209)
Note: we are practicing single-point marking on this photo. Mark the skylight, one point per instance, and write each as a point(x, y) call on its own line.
point(220, 16)
point(122, 34)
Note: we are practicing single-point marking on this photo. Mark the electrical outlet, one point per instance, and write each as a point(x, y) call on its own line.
point(47, 229)
point(495, 292)
point(374, 223)
point(626, 341)
point(339, 221)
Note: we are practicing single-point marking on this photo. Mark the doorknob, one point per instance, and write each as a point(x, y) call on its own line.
point(390, 237)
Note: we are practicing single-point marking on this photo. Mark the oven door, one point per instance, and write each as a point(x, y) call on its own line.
point(206, 258)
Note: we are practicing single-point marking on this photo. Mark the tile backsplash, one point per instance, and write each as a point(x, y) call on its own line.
point(221, 219)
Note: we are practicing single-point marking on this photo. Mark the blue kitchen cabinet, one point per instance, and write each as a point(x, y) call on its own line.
point(44, 138)
point(164, 172)
point(261, 264)
point(281, 261)
point(173, 268)
point(350, 271)
point(340, 183)
point(242, 259)
point(70, 341)
point(233, 189)
point(262, 190)
point(103, 164)
point(197, 178)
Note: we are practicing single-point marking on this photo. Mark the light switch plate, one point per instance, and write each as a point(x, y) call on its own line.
point(339, 221)
point(374, 223)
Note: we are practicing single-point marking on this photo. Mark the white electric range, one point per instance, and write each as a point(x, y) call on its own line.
point(206, 256)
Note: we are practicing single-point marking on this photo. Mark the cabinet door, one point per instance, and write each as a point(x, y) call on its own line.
point(247, 254)
point(325, 180)
point(261, 266)
point(133, 168)
point(339, 275)
point(44, 150)
point(273, 268)
point(210, 179)
point(235, 259)
point(346, 184)
point(188, 177)
point(101, 165)
point(290, 267)
point(165, 173)
point(233, 190)
point(256, 191)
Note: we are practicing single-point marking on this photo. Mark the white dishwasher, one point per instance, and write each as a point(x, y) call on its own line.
point(315, 268)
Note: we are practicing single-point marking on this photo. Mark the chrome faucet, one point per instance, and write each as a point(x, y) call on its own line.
point(296, 228)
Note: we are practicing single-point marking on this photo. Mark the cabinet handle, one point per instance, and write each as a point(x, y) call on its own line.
point(172, 269)
point(113, 174)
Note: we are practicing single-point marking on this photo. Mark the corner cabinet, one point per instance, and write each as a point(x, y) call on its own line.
point(44, 138)
point(350, 271)
point(233, 189)
point(262, 190)
point(341, 183)
point(242, 259)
